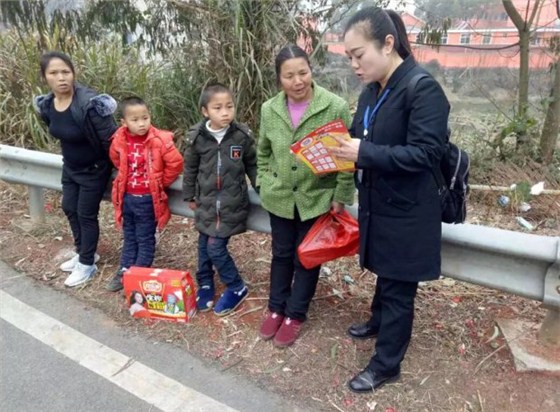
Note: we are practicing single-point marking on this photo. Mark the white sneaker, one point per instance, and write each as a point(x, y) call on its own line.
point(80, 275)
point(68, 266)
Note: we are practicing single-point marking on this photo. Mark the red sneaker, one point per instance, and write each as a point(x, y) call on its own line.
point(270, 325)
point(288, 333)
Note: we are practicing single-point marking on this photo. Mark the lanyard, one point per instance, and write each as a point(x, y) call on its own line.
point(368, 118)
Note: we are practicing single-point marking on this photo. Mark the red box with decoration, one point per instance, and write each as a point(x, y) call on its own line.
point(160, 293)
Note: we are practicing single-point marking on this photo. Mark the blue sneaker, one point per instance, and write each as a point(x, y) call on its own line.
point(205, 298)
point(230, 300)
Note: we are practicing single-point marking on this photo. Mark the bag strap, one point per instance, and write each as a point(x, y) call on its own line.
point(410, 89)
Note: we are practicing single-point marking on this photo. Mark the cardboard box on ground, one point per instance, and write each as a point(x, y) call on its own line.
point(160, 294)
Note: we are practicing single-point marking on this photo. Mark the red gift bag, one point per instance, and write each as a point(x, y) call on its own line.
point(333, 235)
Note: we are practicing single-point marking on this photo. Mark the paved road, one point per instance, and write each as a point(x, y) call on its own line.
point(57, 354)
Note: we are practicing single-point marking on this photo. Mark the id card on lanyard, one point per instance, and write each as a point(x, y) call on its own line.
point(368, 120)
point(369, 115)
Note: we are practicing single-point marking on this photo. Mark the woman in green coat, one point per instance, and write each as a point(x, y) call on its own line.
point(290, 192)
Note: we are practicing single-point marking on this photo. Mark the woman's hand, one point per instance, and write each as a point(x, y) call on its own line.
point(192, 205)
point(346, 149)
point(337, 207)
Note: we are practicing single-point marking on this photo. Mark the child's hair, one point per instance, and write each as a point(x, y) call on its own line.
point(210, 91)
point(130, 101)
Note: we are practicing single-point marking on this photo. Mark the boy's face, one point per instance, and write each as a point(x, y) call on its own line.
point(137, 119)
point(220, 110)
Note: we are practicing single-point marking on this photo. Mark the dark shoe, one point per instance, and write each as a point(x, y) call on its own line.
point(204, 298)
point(288, 333)
point(270, 325)
point(362, 331)
point(116, 283)
point(368, 381)
point(230, 300)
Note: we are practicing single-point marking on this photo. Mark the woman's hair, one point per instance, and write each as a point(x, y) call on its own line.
point(291, 51)
point(47, 57)
point(376, 23)
point(133, 294)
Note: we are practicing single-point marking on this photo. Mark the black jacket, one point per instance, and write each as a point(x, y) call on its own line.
point(91, 111)
point(214, 176)
point(399, 207)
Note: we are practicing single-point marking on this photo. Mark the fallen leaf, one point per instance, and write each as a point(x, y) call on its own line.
point(348, 279)
point(334, 350)
point(372, 405)
point(448, 282)
point(494, 335)
point(338, 293)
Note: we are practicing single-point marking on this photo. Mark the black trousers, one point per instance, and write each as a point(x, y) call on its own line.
point(392, 313)
point(291, 285)
point(82, 191)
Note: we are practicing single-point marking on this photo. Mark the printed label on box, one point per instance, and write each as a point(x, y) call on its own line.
point(160, 293)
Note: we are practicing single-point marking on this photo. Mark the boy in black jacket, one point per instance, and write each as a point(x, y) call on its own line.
point(220, 153)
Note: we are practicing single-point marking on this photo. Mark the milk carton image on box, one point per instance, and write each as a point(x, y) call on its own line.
point(160, 293)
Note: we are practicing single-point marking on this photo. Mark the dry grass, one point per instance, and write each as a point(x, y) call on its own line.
point(454, 362)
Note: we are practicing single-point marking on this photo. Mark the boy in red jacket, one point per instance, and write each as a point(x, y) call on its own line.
point(147, 162)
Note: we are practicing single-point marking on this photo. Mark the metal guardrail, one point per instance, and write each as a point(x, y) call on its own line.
point(522, 264)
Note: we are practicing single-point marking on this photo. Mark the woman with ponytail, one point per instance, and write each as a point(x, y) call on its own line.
point(399, 132)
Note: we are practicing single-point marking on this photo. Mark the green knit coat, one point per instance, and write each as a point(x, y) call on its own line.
point(284, 181)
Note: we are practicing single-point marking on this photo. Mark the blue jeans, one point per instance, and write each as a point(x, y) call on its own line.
point(213, 251)
point(139, 230)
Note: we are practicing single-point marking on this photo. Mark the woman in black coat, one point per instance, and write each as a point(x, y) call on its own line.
point(82, 120)
point(399, 140)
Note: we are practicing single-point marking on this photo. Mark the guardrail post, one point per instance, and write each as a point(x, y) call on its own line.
point(36, 204)
point(549, 332)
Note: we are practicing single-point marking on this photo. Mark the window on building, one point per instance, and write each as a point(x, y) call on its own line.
point(486, 38)
point(465, 38)
point(420, 38)
point(534, 40)
point(444, 38)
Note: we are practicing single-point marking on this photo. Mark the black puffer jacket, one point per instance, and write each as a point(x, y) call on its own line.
point(91, 111)
point(214, 176)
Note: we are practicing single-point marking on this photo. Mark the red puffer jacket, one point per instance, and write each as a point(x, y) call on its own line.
point(165, 164)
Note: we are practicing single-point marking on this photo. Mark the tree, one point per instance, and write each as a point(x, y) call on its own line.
point(551, 126)
point(524, 27)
